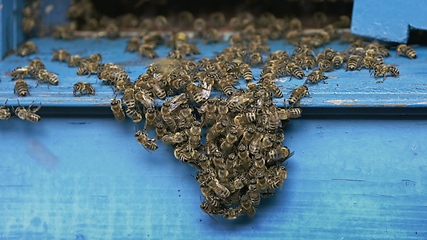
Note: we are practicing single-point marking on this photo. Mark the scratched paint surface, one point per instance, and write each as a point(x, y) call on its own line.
point(352, 179)
point(346, 89)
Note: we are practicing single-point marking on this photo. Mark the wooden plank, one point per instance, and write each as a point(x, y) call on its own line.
point(87, 178)
point(347, 89)
point(388, 20)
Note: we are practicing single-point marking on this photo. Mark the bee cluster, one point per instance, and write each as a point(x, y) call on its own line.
point(232, 135)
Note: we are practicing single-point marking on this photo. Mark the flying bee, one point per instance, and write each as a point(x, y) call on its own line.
point(295, 70)
point(406, 51)
point(117, 109)
point(316, 76)
point(26, 49)
point(142, 137)
point(278, 156)
point(4, 112)
point(353, 63)
point(133, 44)
point(83, 88)
point(297, 94)
point(44, 76)
point(131, 109)
point(21, 72)
point(21, 87)
point(61, 55)
point(28, 113)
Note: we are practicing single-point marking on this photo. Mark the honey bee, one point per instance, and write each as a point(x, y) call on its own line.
point(161, 22)
point(21, 87)
point(175, 138)
point(74, 61)
point(219, 189)
point(147, 50)
point(133, 44)
point(161, 129)
point(278, 156)
point(26, 49)
point(34, 66)
point(295, 70)
point(44, 76)
point(87, 67)
point(117, 109)
point(211, 35)
point(406, 51)
point(142, 138)
point(21, 72)
point(28, 113)
point(195, 93)
point(209, 112)
point(185, 18)
point(353, 63)
point(112, 30)
point(255, 59)
point(325, 65)
point(66, 32)
point(272, 88)
point(232, 213)
point(199, 26)
point(285, 114)
point(144, 98)
point(131, 110)
point(316, 76)
point(246, 72)
point(383, 69)
point(254, 194)
point(28, 24)
point(4, 112)
point(338, 60)
point(61, 55)
point(151, 117)
point(230, 139)
point(297, 94)
point(83, 88)
point(217, 129)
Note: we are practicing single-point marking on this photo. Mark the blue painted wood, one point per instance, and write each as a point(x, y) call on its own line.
point(346, 89)
point(388, 20)
point(10, 20)
point(87, 178)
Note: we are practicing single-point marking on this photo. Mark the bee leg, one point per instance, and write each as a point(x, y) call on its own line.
point(38, 108)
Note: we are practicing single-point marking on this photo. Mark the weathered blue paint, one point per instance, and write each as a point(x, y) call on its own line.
point(87, 178)
point(388, 20)
point(347, 89)
point(10, 19)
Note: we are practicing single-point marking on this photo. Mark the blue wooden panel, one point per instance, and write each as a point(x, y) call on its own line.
point(388, 20)
point(347, 89)
point(10, 20)
point(87, 178)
